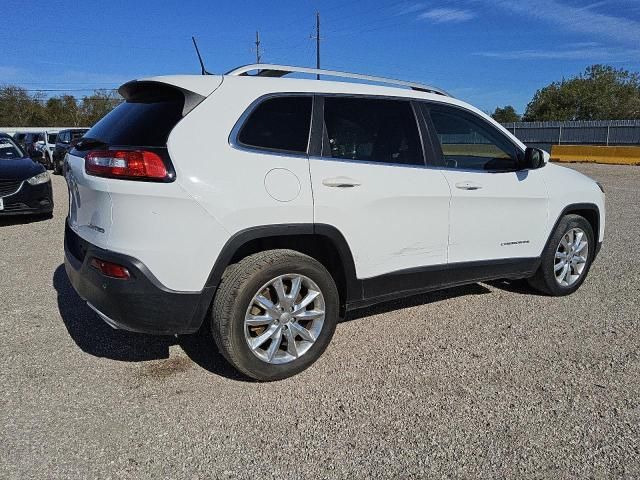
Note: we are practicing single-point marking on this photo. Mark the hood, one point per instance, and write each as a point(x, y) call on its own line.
point(19, 169)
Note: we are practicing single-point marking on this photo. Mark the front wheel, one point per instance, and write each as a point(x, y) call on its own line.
point(567, 257)
point(274, 313)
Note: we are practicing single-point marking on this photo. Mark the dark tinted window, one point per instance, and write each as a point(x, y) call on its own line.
point(280, 123)
point(9, 149)
point(143, 120)
point(76, 134)
point(471, 143)
point(372, 130)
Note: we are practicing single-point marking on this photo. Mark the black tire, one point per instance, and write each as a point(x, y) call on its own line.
point(240, 283)
point(545, 280)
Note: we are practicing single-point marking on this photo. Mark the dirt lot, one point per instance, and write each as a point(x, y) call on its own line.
point(485, 381)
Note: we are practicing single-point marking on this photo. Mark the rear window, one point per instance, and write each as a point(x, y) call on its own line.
point(9, 150)
point(280, 123)
point(144, 120)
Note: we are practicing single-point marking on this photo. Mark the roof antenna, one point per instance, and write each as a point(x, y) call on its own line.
point(204, 71)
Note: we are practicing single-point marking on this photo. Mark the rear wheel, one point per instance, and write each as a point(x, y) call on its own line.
point(567, 257)
point(274, 314)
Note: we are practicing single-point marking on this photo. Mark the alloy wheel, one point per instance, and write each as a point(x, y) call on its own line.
point(284, 319)
point(571, 257)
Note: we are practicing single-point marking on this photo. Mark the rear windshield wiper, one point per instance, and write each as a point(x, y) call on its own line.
point(86, 143)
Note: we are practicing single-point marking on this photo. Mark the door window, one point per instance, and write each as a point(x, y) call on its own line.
point(280, 123)
point(373, 130)
point(470, 143)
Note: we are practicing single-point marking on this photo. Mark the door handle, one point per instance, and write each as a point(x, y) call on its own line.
point(468, 186)
point(340, 182)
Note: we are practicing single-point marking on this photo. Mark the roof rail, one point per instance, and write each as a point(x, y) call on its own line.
point(271, 70)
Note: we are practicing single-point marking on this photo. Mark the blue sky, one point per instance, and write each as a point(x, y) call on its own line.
point(488, 52)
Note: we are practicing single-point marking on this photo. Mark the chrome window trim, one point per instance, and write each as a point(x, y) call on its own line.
point(17, 191)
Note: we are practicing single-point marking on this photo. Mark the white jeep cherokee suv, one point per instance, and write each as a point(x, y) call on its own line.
point(269, 207)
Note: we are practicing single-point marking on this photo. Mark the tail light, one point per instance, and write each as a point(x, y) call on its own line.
point(126, 164)
point(110, 269)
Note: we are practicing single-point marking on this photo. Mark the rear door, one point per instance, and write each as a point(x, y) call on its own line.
point(371, 183)
point(498, 211)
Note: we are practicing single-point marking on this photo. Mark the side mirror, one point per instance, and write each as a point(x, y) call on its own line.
point(36, 155)
point(533, 158)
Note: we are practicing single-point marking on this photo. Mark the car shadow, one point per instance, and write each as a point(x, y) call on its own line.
point(519, 286)
point(95, 337)
point(24, 219)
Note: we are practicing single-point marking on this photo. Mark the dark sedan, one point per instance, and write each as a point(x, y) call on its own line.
point(25, 185)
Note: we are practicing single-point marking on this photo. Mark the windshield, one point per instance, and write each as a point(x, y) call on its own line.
point(145, 120)
point(76, 134)
point(9, 150)
point(51, 138)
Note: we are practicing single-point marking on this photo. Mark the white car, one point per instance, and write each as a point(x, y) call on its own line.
point(46, 146)
point(270, 206)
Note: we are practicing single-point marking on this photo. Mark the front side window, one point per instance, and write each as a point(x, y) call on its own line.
point(279, 123)
point(373, 130)
point(470, 143)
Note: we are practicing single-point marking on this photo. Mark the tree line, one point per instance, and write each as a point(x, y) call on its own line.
point(18, 107)
point(602, 92)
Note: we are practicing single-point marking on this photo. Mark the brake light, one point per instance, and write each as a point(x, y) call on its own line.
point(128, 164)
point(110, 269)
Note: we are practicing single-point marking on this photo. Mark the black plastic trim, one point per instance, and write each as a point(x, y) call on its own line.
point(364, 292)
point(419, 280)
point(573, 207)
point(140, 304)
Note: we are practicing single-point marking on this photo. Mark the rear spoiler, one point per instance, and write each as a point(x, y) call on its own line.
point(153, 90)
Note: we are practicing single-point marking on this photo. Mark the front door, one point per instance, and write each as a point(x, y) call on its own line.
point(497, 210)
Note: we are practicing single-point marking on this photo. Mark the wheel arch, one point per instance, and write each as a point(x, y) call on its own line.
point(589, 211)
point(324, 243)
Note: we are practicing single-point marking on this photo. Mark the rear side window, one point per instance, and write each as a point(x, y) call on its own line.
point(374, 130)
point(280, 123)
point(144, 120)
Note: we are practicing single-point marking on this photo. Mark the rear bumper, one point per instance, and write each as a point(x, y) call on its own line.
point(29, 200)
point(140, 304)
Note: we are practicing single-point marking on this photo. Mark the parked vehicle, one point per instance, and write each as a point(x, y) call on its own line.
point(19, 138)
point(31, 143)
point(46, 146)
point(277, 205)
point(25, 185)
point(65, 140)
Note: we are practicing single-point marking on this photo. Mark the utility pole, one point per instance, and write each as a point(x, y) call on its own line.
point(318, 43)
point(258, 57)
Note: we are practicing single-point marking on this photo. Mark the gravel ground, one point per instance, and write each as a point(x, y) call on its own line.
point(485, 381)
